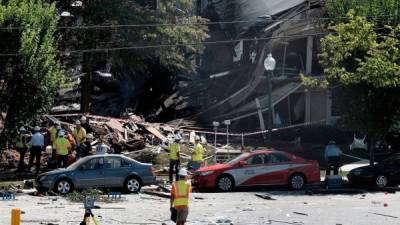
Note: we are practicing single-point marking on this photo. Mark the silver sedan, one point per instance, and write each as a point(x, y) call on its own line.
point(98, 171)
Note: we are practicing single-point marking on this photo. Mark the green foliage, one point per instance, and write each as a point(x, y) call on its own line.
point(384, 11)
point(31, 79)
point(366, 64)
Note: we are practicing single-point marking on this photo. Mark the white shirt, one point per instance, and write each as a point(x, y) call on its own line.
point(101, 149)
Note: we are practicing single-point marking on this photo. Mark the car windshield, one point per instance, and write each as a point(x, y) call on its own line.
point(239, 158)
point(76, 164)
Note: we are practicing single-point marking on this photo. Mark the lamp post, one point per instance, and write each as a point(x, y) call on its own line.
point(227, 123)
point(269, 65)
point(215, 124)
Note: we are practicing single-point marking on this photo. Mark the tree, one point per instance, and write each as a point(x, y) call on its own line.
point(29, 78)
point(171, 23)
point(366, 65)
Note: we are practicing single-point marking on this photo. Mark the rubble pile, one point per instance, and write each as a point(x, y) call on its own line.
point(138, 139)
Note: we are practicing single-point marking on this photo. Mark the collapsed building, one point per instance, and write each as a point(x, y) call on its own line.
point(231, 82)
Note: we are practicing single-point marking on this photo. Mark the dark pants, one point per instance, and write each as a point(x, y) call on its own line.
point(22, 153)
point(333, 161)
point(36, 153)
point(79, 151)
point(62, 159)
point(173, 164)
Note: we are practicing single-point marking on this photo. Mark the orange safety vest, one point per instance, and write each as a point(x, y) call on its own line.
point(180, 191)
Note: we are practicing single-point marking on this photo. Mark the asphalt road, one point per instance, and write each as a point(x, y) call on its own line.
point(238, 208)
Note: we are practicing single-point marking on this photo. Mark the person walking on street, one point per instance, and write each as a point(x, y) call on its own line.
point(197, 155)
point(62, 147)
point(21, 143)
point(332, 156)
point(180, 197)
point(80, 137)
point(174, 158)
point(37, 146)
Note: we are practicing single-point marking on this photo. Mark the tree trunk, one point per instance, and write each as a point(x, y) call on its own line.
point(371, 148)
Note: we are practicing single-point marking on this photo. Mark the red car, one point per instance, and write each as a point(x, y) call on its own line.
point(264, 167)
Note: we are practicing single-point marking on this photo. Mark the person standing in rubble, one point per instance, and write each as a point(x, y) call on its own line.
point(37, 146)
point(53, 131)
point(332, 156)
point(21, 143)
point(85, 124)
point(197, 155)
point(80, 137)
point(62, 147)
point(180, 197)
point(87, 148)
point(174, 158)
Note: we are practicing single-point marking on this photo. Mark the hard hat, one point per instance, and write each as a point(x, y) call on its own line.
point(171, 138)
point(37, 128)
point(61, 133)
point(197, 138)
point(58, 127)
point(83, 118)
point(22, 129)
point(49, 149)
point(89, 136)
point(78, 122)
point(183, 172)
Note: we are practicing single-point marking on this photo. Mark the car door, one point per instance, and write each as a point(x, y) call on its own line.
point(90, 174)
point(251, 171)
point(116, 170)
point(277, 167)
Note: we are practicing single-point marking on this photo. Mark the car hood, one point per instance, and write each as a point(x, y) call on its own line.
point(54, 172)
point(214, 167)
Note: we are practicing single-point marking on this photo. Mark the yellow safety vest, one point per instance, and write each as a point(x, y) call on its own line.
point(53, 134)
point(174, 148)
point(180, 191)
point(198, 152)
point(21, 141)
point(80, 135)
point(61, 145)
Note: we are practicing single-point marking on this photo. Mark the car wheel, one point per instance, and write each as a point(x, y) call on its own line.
point(297, 181)
point(381, 181)
point(133, 185)
point(225, 183)
point(63, 186)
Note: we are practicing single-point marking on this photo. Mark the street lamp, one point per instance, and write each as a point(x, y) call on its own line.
point(269, 65)
point(227, 123)
point(215, 124)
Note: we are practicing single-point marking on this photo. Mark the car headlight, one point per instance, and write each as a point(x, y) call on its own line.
point(206, 173)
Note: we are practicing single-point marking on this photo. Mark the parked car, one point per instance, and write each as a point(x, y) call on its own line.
point(263, 167)
point(98, 171)
point(382, 174)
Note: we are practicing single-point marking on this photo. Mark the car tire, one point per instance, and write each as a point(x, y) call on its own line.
point(225, 183)
point(297, 181)
point(381, 181)
point(63, 186)
point(132, 184)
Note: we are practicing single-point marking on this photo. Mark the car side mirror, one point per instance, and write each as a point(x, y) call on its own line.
point(242, 163)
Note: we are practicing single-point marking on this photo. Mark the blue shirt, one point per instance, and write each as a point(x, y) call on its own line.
point(332, 150)
point(37, 139)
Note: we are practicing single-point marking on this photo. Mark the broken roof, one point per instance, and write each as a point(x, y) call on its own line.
point(254, 11)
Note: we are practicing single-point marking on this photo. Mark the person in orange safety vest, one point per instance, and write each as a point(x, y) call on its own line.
point(180, 197)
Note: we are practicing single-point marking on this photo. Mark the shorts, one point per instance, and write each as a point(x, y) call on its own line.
point(182, 214)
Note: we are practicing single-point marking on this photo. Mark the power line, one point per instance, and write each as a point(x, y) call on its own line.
point(99, 27)
point(64, 53)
